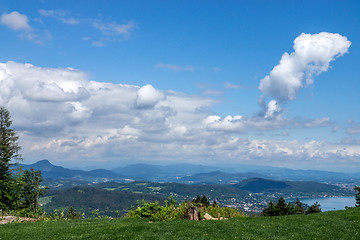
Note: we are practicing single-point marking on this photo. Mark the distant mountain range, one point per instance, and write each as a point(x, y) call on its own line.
point(187, 173)
point(169, 172)
point(260, 185)
point(56, 172)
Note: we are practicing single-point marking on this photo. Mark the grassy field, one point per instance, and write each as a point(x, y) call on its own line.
point(327, 225)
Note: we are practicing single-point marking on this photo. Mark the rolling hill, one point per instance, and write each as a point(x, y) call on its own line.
point(53, 172)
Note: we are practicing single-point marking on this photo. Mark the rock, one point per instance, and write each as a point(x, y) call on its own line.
point(208, 217)
point(9, 219)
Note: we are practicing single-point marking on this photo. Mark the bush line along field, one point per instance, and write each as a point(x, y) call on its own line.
point(328, 225)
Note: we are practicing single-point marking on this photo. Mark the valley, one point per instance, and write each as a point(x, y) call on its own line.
point(109, 191)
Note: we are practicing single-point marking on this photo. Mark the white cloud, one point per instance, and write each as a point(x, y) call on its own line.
point(175, 67)
point(320, 122)
point(62, 115)
point(54, 107)
point(16, 21)
point(234, 86)
point(99, 43)
point(61, 15)
point(113, 28)
point(312, 56)
point(148, 96)
point(212, 92)
point(109, 31)
point(272, 109)
point(20, 23)
point(229, 123)
point(353, 128)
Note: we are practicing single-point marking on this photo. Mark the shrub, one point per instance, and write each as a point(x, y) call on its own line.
point(171, 211)
point(315, 208)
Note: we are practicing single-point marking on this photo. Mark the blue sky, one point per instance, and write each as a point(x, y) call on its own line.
point(184, 81)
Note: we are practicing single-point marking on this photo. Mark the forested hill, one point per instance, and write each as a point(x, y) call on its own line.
point(89, 199)
point(260, 185)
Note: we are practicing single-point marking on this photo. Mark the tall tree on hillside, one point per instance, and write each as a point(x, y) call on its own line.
point(299, 208)
point(357, 196)
point(9, 153)
point(19, 189)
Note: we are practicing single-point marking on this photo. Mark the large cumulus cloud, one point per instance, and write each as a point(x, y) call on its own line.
point(312, 55)
point(62, 115)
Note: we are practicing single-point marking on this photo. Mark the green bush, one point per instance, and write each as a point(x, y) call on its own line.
point(315, 208)
point(171, 210)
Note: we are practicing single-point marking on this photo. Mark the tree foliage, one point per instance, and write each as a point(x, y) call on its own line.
point(19, 190)
point(154, 211)
point(282, 208)
point(279, 209)
point(315, 208)
point(357, 196)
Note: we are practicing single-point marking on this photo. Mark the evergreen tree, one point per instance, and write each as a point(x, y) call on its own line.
point(315, 208)
point(279, 209)
point(204, 201)
point(284, 208)
point(269, 210)
point(299, 208)
point(9, 152)
point(357, 196)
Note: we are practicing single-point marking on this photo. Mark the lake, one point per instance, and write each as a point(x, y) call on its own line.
point(331, 203)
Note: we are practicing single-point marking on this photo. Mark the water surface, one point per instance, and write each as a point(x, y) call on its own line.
point(331, 203)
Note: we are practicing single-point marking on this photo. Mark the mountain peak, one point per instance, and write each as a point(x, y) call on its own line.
point(45, 161)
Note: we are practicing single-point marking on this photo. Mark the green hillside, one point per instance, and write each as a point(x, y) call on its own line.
point(87, 199)
point(328, 225)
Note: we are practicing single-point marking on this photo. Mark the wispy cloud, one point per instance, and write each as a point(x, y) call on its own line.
point(233, 86)
point(61, 15)
point(212, 92)
point(114, 29)
point(175, 67)
point(354, 128)
point(110, 31)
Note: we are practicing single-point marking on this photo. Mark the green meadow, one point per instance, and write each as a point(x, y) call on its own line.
point(343, 224)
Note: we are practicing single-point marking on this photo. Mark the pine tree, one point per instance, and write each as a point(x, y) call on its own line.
point(9, 151)
point(315, 208)
point(269, 210)
point(299, 208)
point(357, 196)
point(279, 209)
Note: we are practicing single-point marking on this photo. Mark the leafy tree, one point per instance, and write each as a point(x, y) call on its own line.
point(9, 151)
point(31, 191)
point(18, 189)
point(357, 196)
